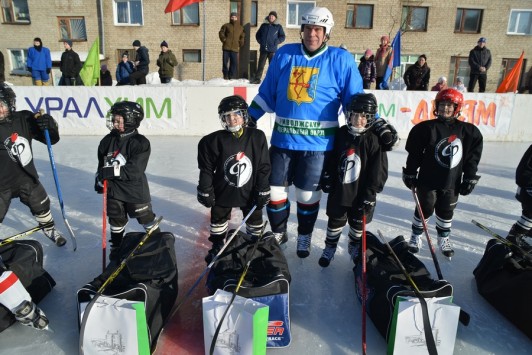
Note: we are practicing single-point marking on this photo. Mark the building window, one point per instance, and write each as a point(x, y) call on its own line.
point(459, 67)
point(72, 28)
point(128, 12)
point(188, 15)
point(520, 22)
point(15, 11)
point(191, 56)
point(18, 61)
point(359, 16)
point(468, 21)
point(296, 9)
point(414, 18)
point(254, 15)
point(507, 65)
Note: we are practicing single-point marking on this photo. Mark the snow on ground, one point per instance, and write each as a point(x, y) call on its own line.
point(326, 317)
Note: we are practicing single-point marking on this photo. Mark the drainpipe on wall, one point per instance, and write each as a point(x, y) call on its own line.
point(101, 32)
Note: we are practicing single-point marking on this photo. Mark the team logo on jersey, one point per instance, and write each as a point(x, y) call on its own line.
point(238, 169)
point(350, 166)
point(18, 149)
point(302, 84)
point(448, 152)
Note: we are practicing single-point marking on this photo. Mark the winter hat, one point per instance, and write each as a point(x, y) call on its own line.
point(386, 38)
point(125, 54)
point(234, 14)
point(68, 41)
point(136, 43)
point(104, 67)
point(368, 52)
point(482, 40)
point(37, 39)
point(164, 44)
point(459, 79)
point(273, 13)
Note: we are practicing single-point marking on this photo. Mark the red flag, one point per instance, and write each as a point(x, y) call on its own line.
point(510, 82)
point(174, 5)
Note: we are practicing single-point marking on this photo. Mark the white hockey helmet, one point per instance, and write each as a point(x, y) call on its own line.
point(319, 16)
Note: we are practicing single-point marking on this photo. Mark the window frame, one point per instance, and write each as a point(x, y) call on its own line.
point(406, 22)
point(354, 12)
point(13, 14)
point(181, 15)
point(459, 66)
point(516, 25)
point(507, 64)
point(24, 56)
point(290, 4)
point(191, 51)
point(69, 19)
point(462, 13)
point(128, 23)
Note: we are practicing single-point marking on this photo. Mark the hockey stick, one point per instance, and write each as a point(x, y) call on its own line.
point(12, 238)
point(429, 337)
point(426, 229)
point(364, 287)
point(504, 241)
point(104, 225)
point(57, 186)
point(123, 263)
point(255, 246)
point(176, 307)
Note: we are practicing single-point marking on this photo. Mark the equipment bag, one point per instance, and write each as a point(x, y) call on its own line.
point(386, 282)
point(267, 280)
point(150, 277)
point(25, 259)
point(505, 280)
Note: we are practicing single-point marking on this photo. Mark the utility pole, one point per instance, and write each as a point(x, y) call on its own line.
point(243, 59)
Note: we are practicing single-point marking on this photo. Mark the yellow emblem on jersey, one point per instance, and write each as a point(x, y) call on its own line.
point(302, 84)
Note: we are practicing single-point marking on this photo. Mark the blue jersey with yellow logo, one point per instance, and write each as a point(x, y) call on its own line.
point(306, 94)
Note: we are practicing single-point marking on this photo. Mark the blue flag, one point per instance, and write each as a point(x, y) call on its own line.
point(395, 60)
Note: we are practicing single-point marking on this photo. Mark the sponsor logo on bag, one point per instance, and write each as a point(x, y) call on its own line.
point(419, 340)
point(275, 327)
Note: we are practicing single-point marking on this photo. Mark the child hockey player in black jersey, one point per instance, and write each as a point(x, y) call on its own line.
point(355, 171)
point(520, 233)
point(234, 170)
point(18, 175)
point(122, 159)
point(442, 162)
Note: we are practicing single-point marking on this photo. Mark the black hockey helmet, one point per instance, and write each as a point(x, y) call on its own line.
point(361, 103)
point(232, 104)
point(8, 98)
point(131, 111)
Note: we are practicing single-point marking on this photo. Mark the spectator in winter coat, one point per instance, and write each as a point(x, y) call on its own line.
point(123, 70)
point(166, 63)
point(440, 85)
point(479, 63)
point(382, 58)
point(141, 64)
point(460, 84)
point(105, 76)
point(232, 36)
point(269, 36)
point(70, 66)
point(417, 76)
point(367, 69)
point(39, 63)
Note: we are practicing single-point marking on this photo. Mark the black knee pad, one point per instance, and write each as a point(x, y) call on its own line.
point(141, 211)
point(337, 222)
point(116, 209)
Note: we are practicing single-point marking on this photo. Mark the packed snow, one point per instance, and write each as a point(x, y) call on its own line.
point(325, 315)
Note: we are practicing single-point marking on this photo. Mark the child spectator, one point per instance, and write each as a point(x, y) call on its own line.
point(123, 69)
point(460, 84)
point(367, 69)
point(440, 85)
point(105, 76)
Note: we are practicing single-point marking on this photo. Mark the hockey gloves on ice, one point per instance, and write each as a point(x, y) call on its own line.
point(262, 198)
point(44, 121)
point(467, 185)
point(206, 197)
point(387, 134)
point(409, 178)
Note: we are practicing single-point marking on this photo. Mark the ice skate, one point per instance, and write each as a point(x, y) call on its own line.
point(327, 256)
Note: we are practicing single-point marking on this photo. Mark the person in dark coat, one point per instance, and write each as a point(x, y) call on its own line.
point(417, 76)
point(166, 63)
point(105, 76)
point(269, 36)
point(123, 157)
point(124, 69)
point(141, 64)
point(70, 66)
point(479, 63)
point(367, 69)
point(232, 36)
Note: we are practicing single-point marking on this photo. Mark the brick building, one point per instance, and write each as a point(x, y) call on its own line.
point(445, 31)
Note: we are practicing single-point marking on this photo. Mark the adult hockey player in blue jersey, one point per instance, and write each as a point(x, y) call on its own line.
point(305, 86)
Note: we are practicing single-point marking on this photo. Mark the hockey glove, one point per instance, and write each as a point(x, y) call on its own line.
point(44, 121)
point(98, 183)
point(326, 183)
point(29, 69)
point(387, 134)
point(206, 198)
point(409, 179)
point(467, 185)
point(262, 198)
point(119, 159)
point(368, 206)
point(48, 70)
point(111, 172)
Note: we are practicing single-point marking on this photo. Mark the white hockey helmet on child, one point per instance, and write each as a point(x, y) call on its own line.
point(132, 113)
point(319, 16)
point(232, 104)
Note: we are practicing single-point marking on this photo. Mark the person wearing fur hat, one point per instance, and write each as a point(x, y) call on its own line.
point(417, 76)
point(166, 63)
point(479, 62)
point(367, 69)
point(382, 58)
point(70, 66)
point(440, 85)
point(269, 36)
point(141, 64)
point(232, 36)
point(39, 63)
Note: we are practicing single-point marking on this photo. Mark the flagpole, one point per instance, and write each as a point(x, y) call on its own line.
point(204, 45)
